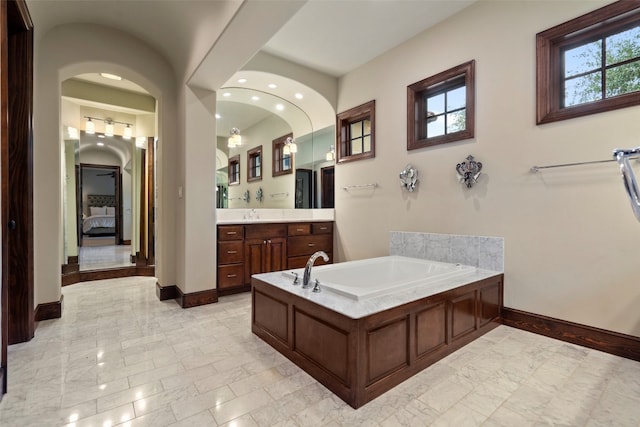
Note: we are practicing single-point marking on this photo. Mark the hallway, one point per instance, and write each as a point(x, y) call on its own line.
point(118, 356)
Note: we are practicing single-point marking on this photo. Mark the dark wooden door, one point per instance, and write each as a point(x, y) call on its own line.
point(328, 187)
point(16, 158)
point(255, 255)
point(276, 258)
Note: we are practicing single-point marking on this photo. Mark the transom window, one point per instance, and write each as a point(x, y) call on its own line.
point(440, 108)
point(254, 164)
point(590, 64)
point(356, 133)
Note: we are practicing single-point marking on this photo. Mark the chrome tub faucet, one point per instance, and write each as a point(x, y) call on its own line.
point(307, 269)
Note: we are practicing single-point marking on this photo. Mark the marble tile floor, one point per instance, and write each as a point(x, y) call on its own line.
point(99, 257)
point(120, 357)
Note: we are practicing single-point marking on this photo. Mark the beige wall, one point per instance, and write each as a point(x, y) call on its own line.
point(572, 243)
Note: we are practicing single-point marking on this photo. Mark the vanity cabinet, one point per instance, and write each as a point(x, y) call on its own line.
point(246, 249)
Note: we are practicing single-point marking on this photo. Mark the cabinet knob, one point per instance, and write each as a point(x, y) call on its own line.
point(299, 229)
point(264, 242)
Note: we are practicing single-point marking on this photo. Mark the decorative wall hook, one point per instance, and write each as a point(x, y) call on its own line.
point(259, 194)
point(409, 178)
point(468, 171)
point(246, 196)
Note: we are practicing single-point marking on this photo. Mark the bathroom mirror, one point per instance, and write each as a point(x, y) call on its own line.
point(261, 118)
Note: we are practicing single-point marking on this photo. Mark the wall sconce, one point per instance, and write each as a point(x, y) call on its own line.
point(290, 147)
point(468, 171)
point(409, 178)
point(235, 139)
point(331, 154)
point(128, 132)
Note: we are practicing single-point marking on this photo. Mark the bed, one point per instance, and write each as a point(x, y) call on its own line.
point(100, 216)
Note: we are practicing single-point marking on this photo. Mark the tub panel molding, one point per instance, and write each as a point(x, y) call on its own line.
point(322, 343)
point(271, 315)
point(360, 359)
point(387, 349)
point(433, 320)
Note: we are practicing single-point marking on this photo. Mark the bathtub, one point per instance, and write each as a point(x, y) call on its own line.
point(376, 322)
point(381, 276)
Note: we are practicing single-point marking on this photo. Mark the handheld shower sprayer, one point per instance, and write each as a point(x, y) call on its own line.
point(622, 156)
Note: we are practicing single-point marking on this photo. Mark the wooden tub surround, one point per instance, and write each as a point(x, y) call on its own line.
point(361, 358)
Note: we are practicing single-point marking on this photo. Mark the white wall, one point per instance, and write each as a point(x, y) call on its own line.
point(571, 240)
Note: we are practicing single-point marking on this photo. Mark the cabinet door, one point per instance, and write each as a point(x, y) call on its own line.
point(277, 254)
point(255, 255)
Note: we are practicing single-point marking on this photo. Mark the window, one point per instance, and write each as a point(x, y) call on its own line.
point(355, 133)
point(234, 170)
point(254, 164)
point(590, 64)
point(282, 163)
point(440, 108)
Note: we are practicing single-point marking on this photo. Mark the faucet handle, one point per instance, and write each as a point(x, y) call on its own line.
point(296, 279)
point(316, 287)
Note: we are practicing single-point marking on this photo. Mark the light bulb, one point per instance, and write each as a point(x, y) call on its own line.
point(128, 132)
point(90, 127)
point(108, 129)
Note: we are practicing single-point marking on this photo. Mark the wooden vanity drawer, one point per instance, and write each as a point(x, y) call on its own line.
point(230, 276)
point(302, 229)
point(230, 252)
point(322, 228)
point(265, 231)
point(307, 245)
point(230, 232)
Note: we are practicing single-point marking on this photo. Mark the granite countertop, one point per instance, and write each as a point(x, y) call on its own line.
point(356, 309)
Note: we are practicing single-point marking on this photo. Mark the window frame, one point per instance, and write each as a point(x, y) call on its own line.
point(416, 92)
point(255, 152)
point(233, 169)
point(343, 132)
point(277, 167)
point(550, 45)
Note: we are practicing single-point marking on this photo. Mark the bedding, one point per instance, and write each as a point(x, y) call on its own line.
point(98, 221)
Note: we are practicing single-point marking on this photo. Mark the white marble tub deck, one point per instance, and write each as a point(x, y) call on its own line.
point(357, 309)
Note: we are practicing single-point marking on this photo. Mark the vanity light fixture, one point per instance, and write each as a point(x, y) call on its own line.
point(90, 127)
point(235, 139)
point(128, 132)
point(290, 147)
point(331, 154)
point(108, 128)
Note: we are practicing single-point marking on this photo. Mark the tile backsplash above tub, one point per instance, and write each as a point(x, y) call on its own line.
point(479, 251)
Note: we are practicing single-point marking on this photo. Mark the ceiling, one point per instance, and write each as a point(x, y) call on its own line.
point(331, 36)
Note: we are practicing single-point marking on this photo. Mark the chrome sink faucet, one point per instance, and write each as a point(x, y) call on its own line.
point(307, 269)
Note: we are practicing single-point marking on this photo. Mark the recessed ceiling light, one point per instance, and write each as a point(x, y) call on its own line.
point(255, 98)
point(299, 95)
point(101, 144)
point(218, 116)
point(111, 76)
point(273, 85)
point(242, 80)
point(226, 94)
point(279, 107)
